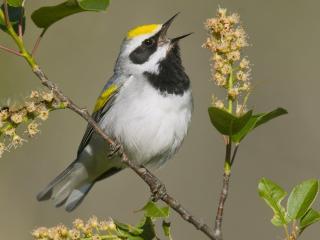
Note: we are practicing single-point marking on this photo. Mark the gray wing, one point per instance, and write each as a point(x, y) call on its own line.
point(97, 116)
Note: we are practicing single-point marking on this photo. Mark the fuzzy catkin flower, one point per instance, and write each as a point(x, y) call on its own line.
point(242, 76)
point(31, 107)
point(16, 141)
point(231, 71)
point(40, 233)
point(43, 113)
point(34, 94)
point(2, 149)
point(219, 104)
point(17, 117)
point(62, 231)
point(47, 96)
point(4, 114)
point(92, 229)
point(78, 224)
point(107, 225)
point(32, 129)
point(93, 222)
point(10, 132)
point(240, 109)
point(74, 234)
point(233, 93)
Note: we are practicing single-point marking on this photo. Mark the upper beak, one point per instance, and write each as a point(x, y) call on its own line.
point(164, 30)
point(165, 27)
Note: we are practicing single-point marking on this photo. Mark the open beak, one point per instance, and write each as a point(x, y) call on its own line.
point(174, 40)
point(164, 30)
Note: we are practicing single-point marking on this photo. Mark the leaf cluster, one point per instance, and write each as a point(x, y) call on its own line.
point(238, 127)
point(299, 204)
point(111, 229)
point(145, 229)
point(46, 16)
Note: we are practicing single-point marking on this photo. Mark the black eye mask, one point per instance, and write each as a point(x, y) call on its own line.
point(142, 53)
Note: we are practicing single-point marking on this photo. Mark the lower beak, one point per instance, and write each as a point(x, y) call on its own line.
point(174, 40)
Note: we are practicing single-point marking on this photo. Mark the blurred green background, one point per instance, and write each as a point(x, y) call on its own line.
point(79, 53)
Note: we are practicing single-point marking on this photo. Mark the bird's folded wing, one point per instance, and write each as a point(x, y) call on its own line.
point(103, 104)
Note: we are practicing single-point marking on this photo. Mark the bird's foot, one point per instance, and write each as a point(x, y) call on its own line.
point(114, 149)
point(158, 191)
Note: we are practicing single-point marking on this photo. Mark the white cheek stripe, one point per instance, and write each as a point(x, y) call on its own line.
point(152, 65)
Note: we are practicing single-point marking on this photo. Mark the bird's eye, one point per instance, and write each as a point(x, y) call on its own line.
point(148, 42)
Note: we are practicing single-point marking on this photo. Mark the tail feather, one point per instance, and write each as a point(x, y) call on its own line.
point(47, 192)
point(71, 186)
point(77, 196)
point(60, 197)
point(61, 189)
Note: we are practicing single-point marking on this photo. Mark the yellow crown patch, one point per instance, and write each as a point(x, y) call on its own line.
point(141, 30)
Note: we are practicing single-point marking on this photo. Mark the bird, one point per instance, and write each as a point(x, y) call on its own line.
point(146, 107)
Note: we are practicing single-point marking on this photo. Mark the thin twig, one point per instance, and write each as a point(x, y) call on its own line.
point(223, 198)
point(234, 154)
point(20, 29)
point(37, 43)
point(6, 13)
point(10, 50)
point(224, 193)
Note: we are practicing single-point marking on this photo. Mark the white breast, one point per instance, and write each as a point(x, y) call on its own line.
point(151, 126)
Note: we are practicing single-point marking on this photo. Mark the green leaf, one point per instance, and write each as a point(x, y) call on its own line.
point(246, 129)
point(128, 228)
point(226, 123)
point(1, 18)
point(44, 17)
point(273, 194)
point(15, 3)
point(166, 226)
point(15, 14)
point(94, 5)
point(152, 210)
point(255, 121)
point(147, 226)
point(266, 117)
point(301, 198)
point(123, 234)
point(311, 217)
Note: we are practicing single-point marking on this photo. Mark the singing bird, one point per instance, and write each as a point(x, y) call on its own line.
point(146, 106)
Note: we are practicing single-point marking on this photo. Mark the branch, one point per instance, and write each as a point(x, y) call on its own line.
point(224, 191)
point(158, 190)
point(10, 50)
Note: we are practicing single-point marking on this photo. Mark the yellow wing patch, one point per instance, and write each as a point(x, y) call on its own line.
point(104, 97)
point(141, 30)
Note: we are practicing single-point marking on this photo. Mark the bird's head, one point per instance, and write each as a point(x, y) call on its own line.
point(146, 46)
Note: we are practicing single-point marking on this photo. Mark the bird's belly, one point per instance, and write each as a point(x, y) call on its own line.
point(151, 128)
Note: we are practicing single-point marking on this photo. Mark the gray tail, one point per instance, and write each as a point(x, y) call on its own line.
point(69, 188)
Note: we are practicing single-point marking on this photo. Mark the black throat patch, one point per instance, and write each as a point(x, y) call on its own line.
point(171, 78)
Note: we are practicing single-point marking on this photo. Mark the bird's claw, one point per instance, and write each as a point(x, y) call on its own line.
point(115, 148)
point(158, 191)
